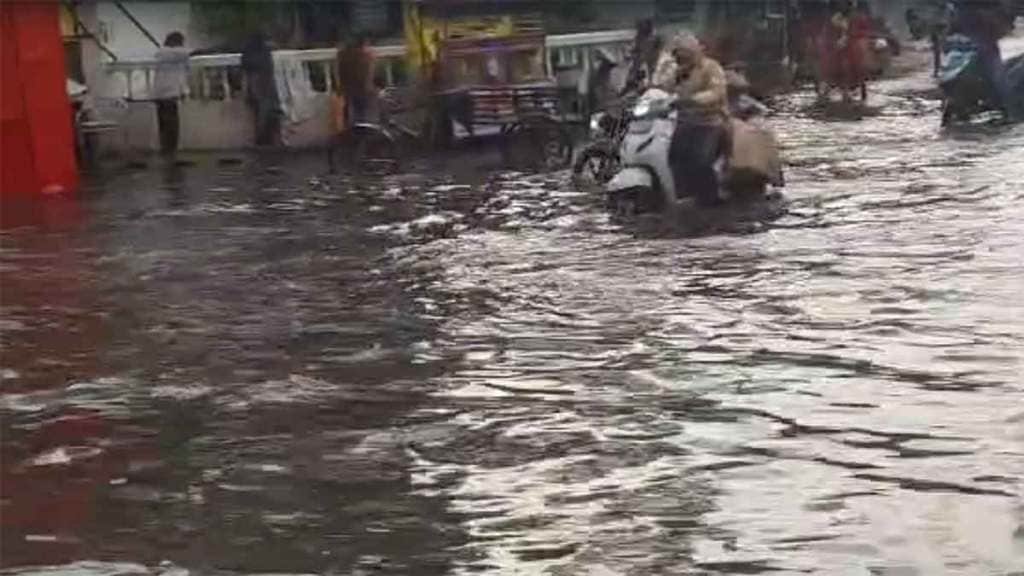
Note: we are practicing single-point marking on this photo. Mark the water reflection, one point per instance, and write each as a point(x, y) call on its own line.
point(245, 355)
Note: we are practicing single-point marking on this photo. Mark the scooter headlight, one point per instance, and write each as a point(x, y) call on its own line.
point(595, 123)
point(642, 108)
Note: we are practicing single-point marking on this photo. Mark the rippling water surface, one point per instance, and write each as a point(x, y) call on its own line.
point(222, 369)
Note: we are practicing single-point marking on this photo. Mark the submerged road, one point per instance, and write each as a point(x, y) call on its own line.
point(224, 370)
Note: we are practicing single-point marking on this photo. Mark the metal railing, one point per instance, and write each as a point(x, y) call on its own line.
point(219, 77)
point(214, 113)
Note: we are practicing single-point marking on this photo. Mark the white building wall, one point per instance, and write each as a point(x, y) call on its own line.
point(124, 38)
point(126, 41)
point(215, 117)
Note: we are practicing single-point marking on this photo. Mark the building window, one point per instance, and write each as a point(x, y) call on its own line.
point(566, 58)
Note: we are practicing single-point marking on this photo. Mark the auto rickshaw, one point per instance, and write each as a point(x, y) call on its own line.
point(501, 85)
point(478, 75)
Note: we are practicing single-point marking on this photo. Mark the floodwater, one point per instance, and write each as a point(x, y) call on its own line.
point(228, 369)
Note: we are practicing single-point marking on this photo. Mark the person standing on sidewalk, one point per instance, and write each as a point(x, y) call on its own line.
point(168, 88)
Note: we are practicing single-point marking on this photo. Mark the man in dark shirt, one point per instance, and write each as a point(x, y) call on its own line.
point(355, 74)
point(261, 90)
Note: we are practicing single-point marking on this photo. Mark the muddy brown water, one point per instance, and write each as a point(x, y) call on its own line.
point(223, 369)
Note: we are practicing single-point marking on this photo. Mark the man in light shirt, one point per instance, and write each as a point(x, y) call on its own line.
point(169, 87)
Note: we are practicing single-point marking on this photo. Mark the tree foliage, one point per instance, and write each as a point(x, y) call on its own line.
point(291, 23)
point(233, 21)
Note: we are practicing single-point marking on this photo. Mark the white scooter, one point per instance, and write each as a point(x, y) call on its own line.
point(646, 179)
point(646, 182)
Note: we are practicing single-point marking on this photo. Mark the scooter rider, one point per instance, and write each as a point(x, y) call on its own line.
point(702, 132)
point(985, 22)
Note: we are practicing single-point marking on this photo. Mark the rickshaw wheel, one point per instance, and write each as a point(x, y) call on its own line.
point(557, 148)
point(544, 143)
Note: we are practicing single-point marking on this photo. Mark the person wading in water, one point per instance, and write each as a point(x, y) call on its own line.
point(261, 90)
point(355, 74)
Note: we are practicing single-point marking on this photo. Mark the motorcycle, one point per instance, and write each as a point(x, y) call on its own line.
point(966, 88)
point(599, 160)
point(646, 181)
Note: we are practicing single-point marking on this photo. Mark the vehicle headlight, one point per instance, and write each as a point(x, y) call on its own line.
point(642, 108)
point(595, 122)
